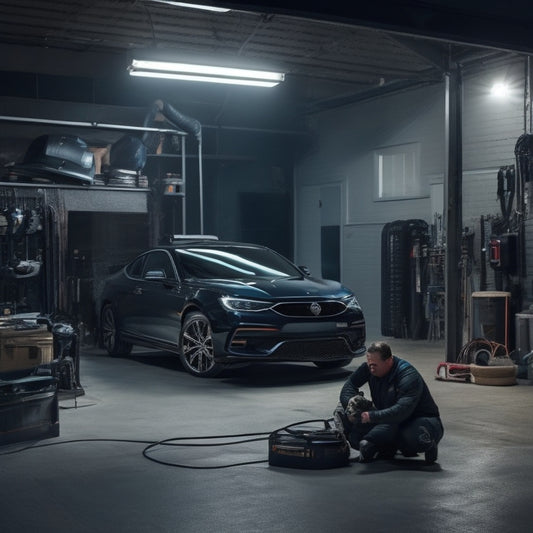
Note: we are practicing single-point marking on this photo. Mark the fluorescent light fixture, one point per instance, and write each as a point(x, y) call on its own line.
point(500, 90)
point(205, 73)
point(194, 6)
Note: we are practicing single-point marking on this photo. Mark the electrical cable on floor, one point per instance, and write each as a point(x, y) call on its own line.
point(167, 442)
point(172, 442)
point(46, 444)
point(66, 408)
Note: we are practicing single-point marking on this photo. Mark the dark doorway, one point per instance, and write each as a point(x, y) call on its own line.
point(98, 244)
point(266, 218)
point(331, 252)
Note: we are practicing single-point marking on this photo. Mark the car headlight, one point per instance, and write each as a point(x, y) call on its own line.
point(241, 304)
point(351, 302)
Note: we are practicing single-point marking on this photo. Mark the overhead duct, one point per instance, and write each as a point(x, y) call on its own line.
point(172, 115)
point(179, 120)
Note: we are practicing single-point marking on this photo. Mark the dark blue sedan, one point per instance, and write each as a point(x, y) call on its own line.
point(219, 303)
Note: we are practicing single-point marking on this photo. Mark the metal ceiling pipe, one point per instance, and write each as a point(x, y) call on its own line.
point(77, 124)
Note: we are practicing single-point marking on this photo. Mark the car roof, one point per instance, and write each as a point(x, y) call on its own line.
point(185, 243)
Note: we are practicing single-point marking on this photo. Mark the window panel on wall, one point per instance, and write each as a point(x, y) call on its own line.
point(397, 172)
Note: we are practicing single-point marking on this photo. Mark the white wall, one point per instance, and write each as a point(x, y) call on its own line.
point(347, 137)
point(491, 127)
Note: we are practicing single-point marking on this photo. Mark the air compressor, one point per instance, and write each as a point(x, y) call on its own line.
point(297, 446)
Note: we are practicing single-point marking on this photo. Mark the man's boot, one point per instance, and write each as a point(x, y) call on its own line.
point(367, 451)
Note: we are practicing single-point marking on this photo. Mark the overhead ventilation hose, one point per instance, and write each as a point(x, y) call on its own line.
point(179, 120)
point(183, 122)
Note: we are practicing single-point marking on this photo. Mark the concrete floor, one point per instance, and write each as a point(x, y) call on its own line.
point(76, 484)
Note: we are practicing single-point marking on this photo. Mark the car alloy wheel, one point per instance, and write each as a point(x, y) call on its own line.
point(196, 347)
point(110, 336)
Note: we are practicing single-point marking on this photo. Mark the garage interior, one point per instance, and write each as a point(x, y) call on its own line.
point(437, 262)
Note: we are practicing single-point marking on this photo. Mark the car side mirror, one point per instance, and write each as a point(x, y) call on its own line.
point(155, 275)
point(305, 270)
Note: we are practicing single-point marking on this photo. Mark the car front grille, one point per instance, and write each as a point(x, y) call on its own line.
point(271, 343)
point(310, 309)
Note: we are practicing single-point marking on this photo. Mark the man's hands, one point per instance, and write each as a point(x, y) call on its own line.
point(365, 417)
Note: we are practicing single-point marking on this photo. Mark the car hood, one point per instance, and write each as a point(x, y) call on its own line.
point(279, 288)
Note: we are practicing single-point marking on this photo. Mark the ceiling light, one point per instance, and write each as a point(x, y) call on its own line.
point(500, 90)
point(194, 6)
point(205, 73)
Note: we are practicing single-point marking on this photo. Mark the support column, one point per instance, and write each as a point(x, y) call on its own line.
point(527, 96)
point(453, 200)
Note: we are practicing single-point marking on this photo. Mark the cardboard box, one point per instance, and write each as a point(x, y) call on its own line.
point(25, 348)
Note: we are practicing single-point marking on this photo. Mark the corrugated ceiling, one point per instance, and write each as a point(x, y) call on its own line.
point(324, 62)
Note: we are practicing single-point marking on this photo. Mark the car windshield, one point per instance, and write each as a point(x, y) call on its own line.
point(234, 262)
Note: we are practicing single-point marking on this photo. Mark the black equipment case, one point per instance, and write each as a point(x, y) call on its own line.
point(308, 448)
point(59, 158)
point(28, 409)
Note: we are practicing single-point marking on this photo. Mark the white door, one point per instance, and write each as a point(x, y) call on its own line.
point(319, 211)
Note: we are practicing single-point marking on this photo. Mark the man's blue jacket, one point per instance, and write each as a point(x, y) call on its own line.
point(399, 396)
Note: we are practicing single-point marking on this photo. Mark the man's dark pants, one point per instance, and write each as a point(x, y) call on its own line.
point(411, 437)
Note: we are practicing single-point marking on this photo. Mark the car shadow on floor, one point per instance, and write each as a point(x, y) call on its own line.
point(160, 359)
point(282, 374)
point(252, 375)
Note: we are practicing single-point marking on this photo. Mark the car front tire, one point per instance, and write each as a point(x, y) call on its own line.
point(196, 347)
point(110, 334)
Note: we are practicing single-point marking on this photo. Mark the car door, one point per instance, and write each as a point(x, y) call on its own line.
point(156, 302)
point(125, 296)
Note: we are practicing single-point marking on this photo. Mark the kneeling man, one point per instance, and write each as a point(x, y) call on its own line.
point(405, 418)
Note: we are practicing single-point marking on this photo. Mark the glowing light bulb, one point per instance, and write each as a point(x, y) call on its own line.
point(500, 90)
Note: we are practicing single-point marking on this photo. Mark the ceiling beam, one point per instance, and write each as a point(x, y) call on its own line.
point(435, 53)
point(369, 94)
point(490, 23)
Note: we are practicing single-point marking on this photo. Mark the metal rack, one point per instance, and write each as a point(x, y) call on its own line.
point(122, 127)
point(59, 292)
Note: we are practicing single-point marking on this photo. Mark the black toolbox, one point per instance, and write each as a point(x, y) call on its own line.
point(28, 409)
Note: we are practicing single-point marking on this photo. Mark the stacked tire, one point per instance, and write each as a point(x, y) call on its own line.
point(493, 375)
point(402, 282)
point(394, 270)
